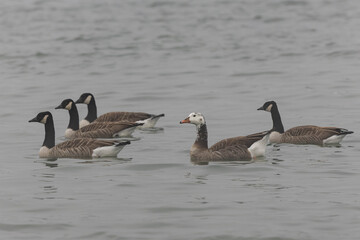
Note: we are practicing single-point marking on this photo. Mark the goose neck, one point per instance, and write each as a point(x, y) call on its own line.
point(277, 123)
point(92, 112)
point(74, 118)
point(202, 137)
point(49, 140)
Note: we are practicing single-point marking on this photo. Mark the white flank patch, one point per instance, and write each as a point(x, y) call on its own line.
point(69, 133)
point(258, 148)
point(274, 137)
point(87, 100)
point(44, 119)
point(68, 107)
point(125, 133)
point(334, 139)
point(44, 152)
point(83, 123)
point(148, 123)
point(108, 151)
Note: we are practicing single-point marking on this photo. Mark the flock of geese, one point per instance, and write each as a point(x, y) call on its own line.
point(254, 145)
point(86, 137)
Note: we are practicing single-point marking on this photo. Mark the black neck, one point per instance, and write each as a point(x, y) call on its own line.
point(49, 140)
point(275, 115)
point(202, 136)
point(74, 118)
point(92, 113)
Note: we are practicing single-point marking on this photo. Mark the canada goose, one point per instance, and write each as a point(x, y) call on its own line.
point(149, 120)
point(94, 130)
point(308, 134)
point(76, 148)
point(231, 149)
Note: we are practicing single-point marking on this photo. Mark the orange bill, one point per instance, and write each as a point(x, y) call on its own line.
point(186, 120)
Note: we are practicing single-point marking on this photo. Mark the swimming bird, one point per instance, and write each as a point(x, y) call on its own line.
point(76, 148)
point(231, 149)
point(149, 120)
point(95, 130)
point(308, 134)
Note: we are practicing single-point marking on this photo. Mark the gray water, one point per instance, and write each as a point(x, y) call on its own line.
point(222, 58)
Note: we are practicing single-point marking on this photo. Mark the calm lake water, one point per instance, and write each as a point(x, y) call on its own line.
point(222, 58)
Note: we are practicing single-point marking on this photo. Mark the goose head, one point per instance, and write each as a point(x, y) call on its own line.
point(67, 104)
point(194, 118)
point(42, 117)
point(85, 98)
point(267, 106)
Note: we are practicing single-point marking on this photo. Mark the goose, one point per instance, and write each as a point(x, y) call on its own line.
point(149, 120)
point(94, 130)
point(76, 148)
point(308, 134)
point(231, 149)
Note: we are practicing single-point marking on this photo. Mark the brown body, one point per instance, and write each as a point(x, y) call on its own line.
point(307, 134)
point(76, 148)
point(230, 149)
point(123, 116)
point(104, 130)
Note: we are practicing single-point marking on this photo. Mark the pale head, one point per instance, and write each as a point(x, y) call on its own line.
point(194, 118)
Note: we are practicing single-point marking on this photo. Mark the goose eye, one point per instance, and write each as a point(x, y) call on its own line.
point(194, 115)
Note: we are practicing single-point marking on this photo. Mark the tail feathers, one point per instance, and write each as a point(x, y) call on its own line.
point(157, 116)
point(344, 131)
point(117, 144)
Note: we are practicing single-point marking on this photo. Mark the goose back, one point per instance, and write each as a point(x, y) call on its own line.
point(78, 148)
point(123, 116)
point(310, 134)
point(105, 130)
point(241, 140)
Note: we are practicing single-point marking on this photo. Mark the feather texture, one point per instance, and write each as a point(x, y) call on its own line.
point(89, 99)
point(241, 140)
point(75, 148)
point(78, 148)
point(96, 129)
point(308, 134)
point(123, 116)
point(230, 149)
point(105, 129)
point(227, 153)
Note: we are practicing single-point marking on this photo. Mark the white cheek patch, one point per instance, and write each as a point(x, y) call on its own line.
point(269, 108)
point(44, 119)
point(68, 107)
point(87, 100)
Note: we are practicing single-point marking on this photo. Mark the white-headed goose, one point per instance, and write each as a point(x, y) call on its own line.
point(76, 148)
point(308, 134)
point(231, 149)
point(149, 120)
point(94, 130)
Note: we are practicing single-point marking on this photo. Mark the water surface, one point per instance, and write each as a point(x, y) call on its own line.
point(221, 58)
